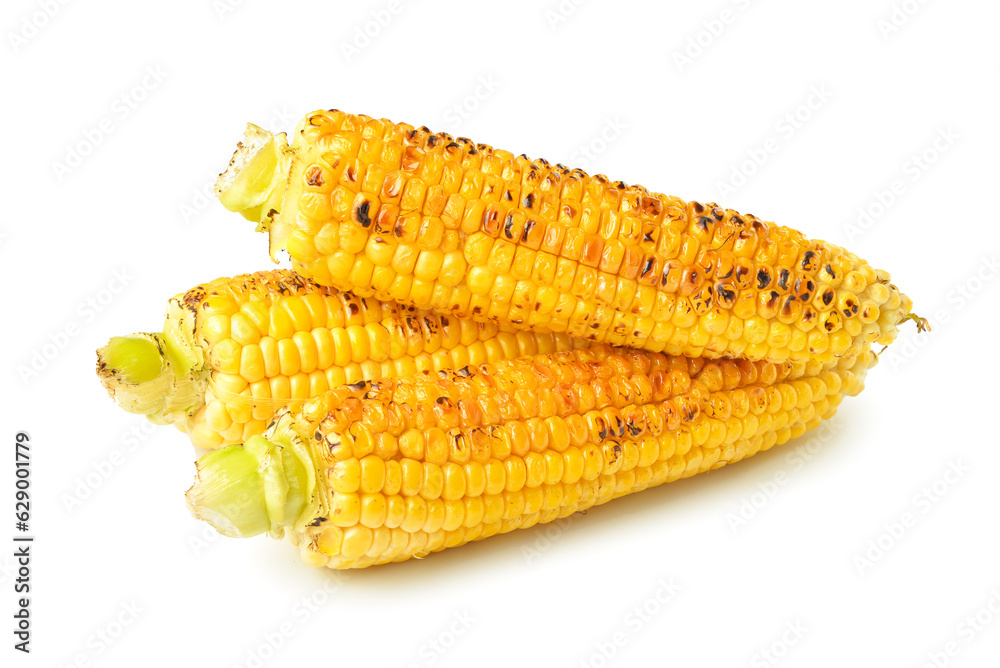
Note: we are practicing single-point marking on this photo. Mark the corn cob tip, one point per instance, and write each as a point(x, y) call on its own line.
point(256, 487)
point(144, 377)
point(923, 324)
point(253, 184)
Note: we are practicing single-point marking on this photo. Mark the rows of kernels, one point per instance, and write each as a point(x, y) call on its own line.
point(417, 525)
point(451, 497)
point(460, 227)
point(558, 402)
point(273, 337)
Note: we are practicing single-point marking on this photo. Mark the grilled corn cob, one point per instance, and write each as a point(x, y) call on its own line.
point(443, 223)
point(387, 470)
point(235, 350)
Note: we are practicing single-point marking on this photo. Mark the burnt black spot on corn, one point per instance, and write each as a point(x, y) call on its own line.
point(763, 278)
point(361, 214)
point(807, 261)
point(314, 176)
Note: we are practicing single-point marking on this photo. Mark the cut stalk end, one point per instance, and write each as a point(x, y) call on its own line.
point(253, 184)
point(145, 375)
point(133, 359)
point(136, 372)
point(228, 493)
point(245, 490)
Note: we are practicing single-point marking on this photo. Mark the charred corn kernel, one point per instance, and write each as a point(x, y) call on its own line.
point(289, 338)
point(524, 237)
point(633, 419)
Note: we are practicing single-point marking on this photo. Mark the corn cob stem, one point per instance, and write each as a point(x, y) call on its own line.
point(135, 359)
point(257, 487)
point(156, 375)
point(254, 182)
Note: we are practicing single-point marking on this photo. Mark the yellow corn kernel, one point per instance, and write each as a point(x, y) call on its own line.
point(345, 509)
point(372, 474)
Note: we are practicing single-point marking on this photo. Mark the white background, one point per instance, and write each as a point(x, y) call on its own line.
point(151, 99)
